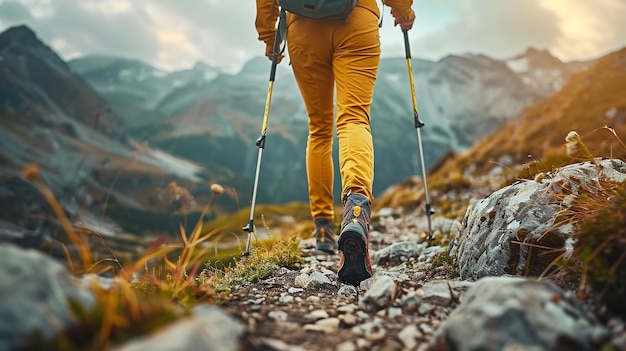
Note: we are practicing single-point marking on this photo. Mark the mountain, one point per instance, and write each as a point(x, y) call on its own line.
point(543, 72)
point(52, 118)
point(461, 99)
point(136, 89)
point(592, 103)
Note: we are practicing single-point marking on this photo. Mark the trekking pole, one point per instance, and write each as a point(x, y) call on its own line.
point(418, 125)
point(280, 35)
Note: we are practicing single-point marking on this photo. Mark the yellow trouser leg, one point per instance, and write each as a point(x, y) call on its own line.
point(355, 64)
point(325, 52)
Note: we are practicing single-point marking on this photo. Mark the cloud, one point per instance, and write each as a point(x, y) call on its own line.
point(493, 27)
point(588, 28)
point(81, 27)
point(177, 34)
point(217, 30)
point(12, 13)
point(168, 34)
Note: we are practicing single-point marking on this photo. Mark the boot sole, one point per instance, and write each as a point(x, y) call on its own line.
point(353, 247)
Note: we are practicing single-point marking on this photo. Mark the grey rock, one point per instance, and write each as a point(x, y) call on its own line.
point(34, 292)
point(301, 280)
point(317, 314)
point(388, 212)
point(278, 315)
point(521, 213)
point(378, 296)
point(443, 292)
point(279, 345)
point(346, 346)
point(397, 253)
point(502, 312)
point(209, 328)
point(409, 335)
point(445, 226)
point(347, 291)
point(396, 276)
point(317, 279)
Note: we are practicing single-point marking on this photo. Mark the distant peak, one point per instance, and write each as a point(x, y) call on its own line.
point(533, 51)
point(201, 66)
point(21, 33)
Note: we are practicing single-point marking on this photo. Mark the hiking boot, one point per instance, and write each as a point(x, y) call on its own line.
point(325, 235)
point(354, 262)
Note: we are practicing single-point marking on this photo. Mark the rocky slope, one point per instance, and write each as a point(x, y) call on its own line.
point(56, 129)
point(413, 302)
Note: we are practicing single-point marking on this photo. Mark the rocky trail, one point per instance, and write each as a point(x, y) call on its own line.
point(468, 296)
point(309, 309)
point(415, 301)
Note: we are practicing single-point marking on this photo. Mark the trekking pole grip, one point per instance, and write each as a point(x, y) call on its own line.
point(407, 48)
point(281, 32)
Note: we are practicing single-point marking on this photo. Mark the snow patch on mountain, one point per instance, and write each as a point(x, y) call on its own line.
point(519, 65)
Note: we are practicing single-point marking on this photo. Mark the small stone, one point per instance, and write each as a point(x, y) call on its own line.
point(329, 322)
point(362, 344)
point(286, 299)
point(357, 330)
point(349, 320)
point(408, 336)
point(317, 314)
point(317, 279)
point(279, 345)
point(301, 280)
point(394, 312)
point(425, 308)
point(319, 328)
point(313, 299)
point(347, 291)
point(346, 346)
point(346, 308)
point(377, 336)
point(426, 328)
point(379, 294)
point(293, 290)
point(278, 315)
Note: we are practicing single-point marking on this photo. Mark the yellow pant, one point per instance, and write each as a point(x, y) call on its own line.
point(325, 54)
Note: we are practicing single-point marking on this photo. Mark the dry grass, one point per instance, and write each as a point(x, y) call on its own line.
point(164, 284)
point(598, 261)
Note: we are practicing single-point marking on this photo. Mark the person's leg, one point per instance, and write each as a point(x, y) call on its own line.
point(355, 63)
point(311, 54)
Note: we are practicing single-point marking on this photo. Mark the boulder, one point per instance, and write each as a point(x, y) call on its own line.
point(504, 233)
point(511, 313)
point(34, 292)
point(209, 328)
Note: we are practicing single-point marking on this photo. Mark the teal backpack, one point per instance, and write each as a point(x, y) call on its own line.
point(319, 9)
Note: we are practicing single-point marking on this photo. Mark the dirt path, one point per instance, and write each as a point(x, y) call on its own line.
point(289, 311)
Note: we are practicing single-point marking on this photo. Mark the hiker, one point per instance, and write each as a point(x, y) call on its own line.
point(342, 53)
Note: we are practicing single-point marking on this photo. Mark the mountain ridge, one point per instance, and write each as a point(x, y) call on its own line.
point(468, 96)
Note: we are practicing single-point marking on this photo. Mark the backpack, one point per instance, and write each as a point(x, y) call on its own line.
point(319, 9)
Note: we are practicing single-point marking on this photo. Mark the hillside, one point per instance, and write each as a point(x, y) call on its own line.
point(214, 118)
point(531, 142)
point(591, 100)
point(56, 126)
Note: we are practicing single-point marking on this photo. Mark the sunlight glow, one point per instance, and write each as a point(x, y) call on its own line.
point(584, 31)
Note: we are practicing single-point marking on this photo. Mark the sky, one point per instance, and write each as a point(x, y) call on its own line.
point(175, 34)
